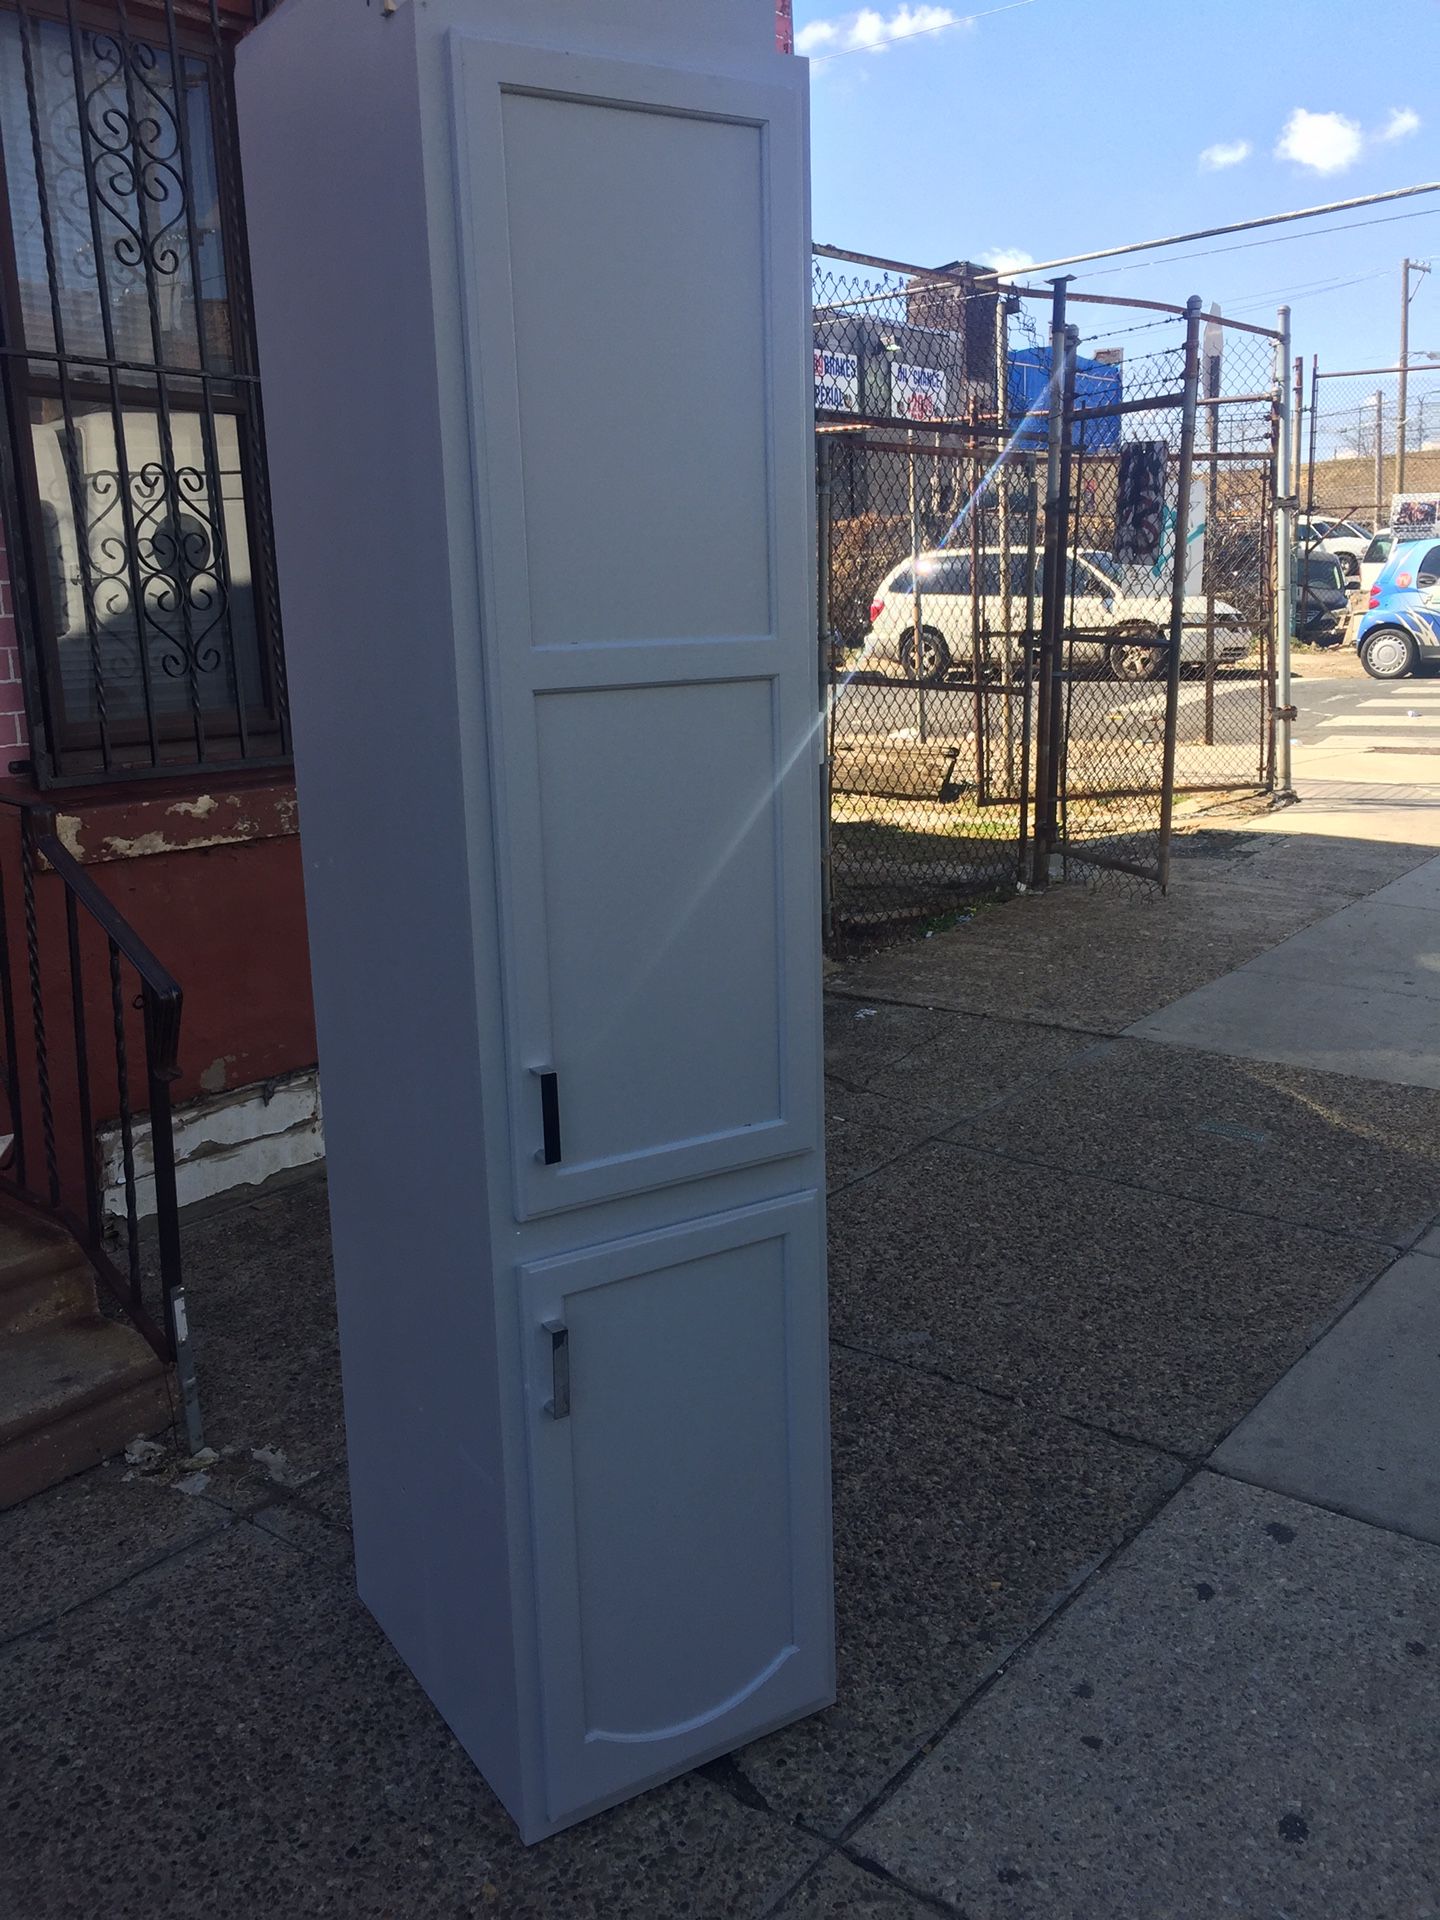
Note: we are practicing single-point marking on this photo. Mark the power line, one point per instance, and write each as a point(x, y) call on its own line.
point(941, 26)
point(1272, 240)
point(1231, 226)
point(1309, 289)
point(1250, 304)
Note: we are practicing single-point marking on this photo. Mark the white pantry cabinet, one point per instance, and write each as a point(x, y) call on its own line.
point(530, 284)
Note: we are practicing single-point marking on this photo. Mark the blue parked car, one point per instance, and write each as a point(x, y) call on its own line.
point(1400, 629)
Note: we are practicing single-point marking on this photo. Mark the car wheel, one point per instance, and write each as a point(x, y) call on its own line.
point(934, 657)
point(1135, 658)
point(1388, 653)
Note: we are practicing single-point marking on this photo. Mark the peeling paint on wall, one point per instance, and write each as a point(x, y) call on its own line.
point(113, 829)
point(239, 1139)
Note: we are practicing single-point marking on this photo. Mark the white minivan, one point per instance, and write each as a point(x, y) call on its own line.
point(1339, 537)
point(1118, 618)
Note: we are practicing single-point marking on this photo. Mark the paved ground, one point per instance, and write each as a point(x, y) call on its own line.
point(869, 708)
point(1138, 1539)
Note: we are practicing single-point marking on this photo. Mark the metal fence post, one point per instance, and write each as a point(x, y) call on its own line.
point(1213, 373)
point(826, 673)
point(917, 641)
point(1380, 457)
point(1027, 665)
point(167, 1221)
point(1007, 605)
point(1188, 409)
point(1309, 491)
point(1286, 483)
point(1052, 603)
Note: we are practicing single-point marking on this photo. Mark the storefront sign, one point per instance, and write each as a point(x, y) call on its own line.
point(837, 381)
point(917, 393)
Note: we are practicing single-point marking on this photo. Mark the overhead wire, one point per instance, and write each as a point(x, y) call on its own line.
point(1271, 240)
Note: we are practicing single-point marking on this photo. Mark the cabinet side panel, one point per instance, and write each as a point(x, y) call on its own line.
point(331, 137)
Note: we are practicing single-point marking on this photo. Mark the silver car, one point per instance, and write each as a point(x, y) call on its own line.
point(1117, 618)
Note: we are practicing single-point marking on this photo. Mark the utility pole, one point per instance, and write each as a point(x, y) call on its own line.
point(1407, 267)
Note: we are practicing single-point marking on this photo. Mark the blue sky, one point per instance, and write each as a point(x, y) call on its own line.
point(1055, 126)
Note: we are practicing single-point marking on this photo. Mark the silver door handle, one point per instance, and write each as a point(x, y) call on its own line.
point(558, 1405)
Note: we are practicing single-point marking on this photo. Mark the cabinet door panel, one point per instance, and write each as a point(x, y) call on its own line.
point(640, 370)
point(680, 1495)
point(660, 920)
point(634, 299)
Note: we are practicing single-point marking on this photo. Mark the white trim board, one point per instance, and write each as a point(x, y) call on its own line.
point(223, 1141)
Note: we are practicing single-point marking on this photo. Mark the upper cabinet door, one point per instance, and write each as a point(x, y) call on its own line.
point(633, 260)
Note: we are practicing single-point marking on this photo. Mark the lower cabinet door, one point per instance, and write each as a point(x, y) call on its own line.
point(681, 1501)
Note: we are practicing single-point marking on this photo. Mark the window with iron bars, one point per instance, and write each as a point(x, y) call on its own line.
point(136, 512)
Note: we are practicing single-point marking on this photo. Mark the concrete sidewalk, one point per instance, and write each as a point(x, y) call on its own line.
point(1138, 1582)
point(1241, 1712)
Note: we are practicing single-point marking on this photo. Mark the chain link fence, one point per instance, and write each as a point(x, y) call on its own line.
point(1016, 680)
point(1370, 435)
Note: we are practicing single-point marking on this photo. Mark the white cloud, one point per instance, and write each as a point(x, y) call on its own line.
point(869, 31)
point(1402, 123)
point(1324, 142)
point(1008, 259)
point(1225, 153)
point(816, 36)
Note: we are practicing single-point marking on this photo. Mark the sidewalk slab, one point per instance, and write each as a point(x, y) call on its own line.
point(1323, 1150)
point(1152, 1316)
point(1296, 849)
point(230, 1734)
point(261, 1293)
point(969, 1063)
point(1372, 943)
point(1092, 961)
point(960, 1522)
point(1254, 1015)
point(839, 1890)
point(864, 1130)
point(1240, 1716)
point(75, 1540)
point(1357, 992)
point(1354, 1424)
point(1418, 888)
point(863, 1037)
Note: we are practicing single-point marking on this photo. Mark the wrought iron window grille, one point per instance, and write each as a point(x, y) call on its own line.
point(136, 508)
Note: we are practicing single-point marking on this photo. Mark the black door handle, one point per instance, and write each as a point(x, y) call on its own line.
point(550, 1117)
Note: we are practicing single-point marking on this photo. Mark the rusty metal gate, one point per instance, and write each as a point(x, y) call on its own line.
point(1045, 585)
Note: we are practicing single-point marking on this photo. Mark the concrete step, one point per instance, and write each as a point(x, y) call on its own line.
point(43, 1274)
point(72, 1393)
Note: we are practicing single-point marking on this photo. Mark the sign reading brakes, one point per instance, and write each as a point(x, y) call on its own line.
point(837, 381)
point(917, 393)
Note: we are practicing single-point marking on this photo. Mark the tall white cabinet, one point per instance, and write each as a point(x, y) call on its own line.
point(530, 281)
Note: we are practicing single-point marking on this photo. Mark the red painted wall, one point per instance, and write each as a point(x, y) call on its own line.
point(227, 920)
point(784, 27)
point(230, 924)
